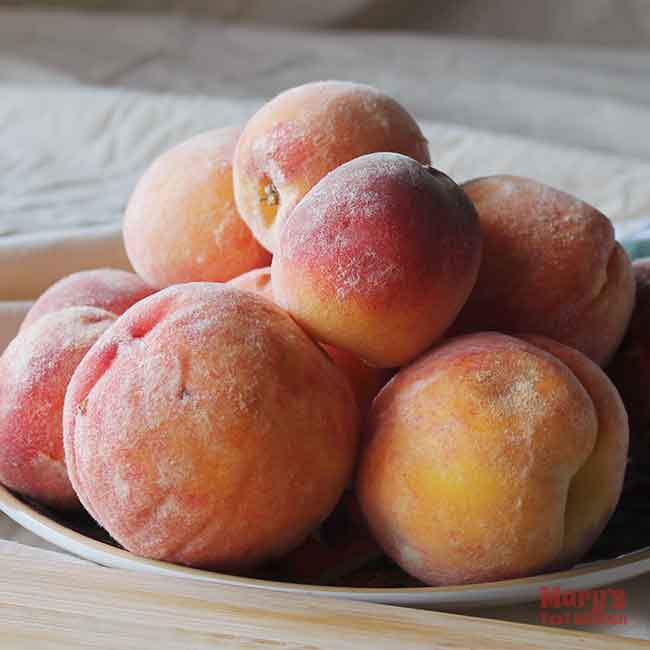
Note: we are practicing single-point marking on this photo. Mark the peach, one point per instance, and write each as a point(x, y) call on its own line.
point(34, 373)
point(484, 460)
point(378, 258)
point(306, 132)
point(111, 289)
point(630, 368)
point(365, 380)
point(551, 266)
point(342, 546)
point(258, 281)
point(181, 223)
point(206, 428)
point(596, 487)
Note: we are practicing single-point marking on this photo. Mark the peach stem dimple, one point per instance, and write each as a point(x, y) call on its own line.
point(270, 196)
point(269, 200)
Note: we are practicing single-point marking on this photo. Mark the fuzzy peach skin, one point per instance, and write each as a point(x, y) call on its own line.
point(596, 488)
point(258, 281)
point(111, 289)
point(551, 266)
point(378, 258)
point(482, 457)
point(365, 380)
point(630, 368)
point(181, 223)
point(306, 132)
point(206, 428)
point(34, 373)
point(340, 547)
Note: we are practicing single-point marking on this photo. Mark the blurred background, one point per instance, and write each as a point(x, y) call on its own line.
point(621, 23)
point(92, 90)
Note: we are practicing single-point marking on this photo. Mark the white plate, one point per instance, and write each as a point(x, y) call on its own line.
point(585, 576)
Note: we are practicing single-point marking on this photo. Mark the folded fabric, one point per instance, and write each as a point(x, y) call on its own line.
point(31, 263)
point(594, 98)
point(12, 314)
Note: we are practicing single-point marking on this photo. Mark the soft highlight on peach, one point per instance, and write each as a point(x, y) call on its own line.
point(181, 223)
point(113, 290)
point(34, 373)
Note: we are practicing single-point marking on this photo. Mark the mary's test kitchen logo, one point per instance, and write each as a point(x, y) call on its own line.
point(582, 607)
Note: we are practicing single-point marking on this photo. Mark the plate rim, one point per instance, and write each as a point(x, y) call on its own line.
point(35, 522)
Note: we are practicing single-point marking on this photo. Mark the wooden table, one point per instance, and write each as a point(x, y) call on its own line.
point(49, 602)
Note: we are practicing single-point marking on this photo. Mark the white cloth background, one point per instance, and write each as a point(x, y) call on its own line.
point(70, 151)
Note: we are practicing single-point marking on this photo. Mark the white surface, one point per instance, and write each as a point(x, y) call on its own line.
point(70, 154)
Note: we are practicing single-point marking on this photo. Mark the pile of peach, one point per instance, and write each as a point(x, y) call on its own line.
point(320, 317)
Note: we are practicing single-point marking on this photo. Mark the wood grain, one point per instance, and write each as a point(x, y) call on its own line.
point(50, 604)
